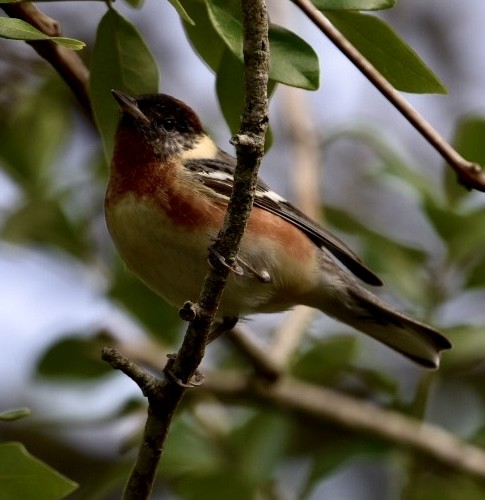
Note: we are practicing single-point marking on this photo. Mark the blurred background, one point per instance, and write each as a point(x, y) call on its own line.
point(380, 187)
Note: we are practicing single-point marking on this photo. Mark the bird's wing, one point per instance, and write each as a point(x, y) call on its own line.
point(217, 174)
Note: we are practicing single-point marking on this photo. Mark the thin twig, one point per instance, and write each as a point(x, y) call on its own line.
point(469, 174)
point(250, 148)
point(65, 61)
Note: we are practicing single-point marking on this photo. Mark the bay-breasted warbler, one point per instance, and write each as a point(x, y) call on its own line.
point(166, 199)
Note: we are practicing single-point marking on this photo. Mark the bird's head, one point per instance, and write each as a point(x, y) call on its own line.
point(165, 125)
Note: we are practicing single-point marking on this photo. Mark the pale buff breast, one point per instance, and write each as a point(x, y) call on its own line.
point(173, 261)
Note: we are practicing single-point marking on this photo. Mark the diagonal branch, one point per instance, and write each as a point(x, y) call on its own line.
point(469, 174)
point(65, 61)
point(350, 413)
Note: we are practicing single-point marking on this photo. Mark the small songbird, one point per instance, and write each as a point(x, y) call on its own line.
point(166, 199)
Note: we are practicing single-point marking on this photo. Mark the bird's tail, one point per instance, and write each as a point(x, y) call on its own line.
point(371, 315)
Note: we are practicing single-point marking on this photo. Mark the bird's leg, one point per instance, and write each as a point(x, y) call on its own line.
point(262, 276)
point(234, 266)
point(240, 266)
point(196, 380)
point(227, 323)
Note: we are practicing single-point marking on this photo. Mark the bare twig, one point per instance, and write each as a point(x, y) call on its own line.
point(250, 147)
point(469, 174)
point(65, 61)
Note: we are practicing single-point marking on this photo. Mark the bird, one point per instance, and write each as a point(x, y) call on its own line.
point(167, 195)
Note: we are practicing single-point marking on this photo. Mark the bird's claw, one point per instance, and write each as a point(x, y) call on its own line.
point(196, 381)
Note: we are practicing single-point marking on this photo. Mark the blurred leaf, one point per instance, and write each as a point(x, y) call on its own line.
point(218, 485)
point(475, 275)
point(338, 451)
point(182, 12)
point(468, 141)
point(388, 52)
point(16, 29)
point(468, 347)
point(121, 60)
point(14, 414)
point(25, 477)
point(464, 233)
point(401, 263)
point(326, 359)
point(377, 381)
point(135, 3)
point(292, 61)
point(32, 136)
point(44, 221)
point(74, 357)
point(353, 4)
point(260, 446)
point(444, 486)
point(392, 161)
point(161, 319)
point(190, 453)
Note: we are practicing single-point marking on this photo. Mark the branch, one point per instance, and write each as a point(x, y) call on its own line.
point(65, 61)
point(250, 148)
point(327, 405)
point(350, 413)
point(469, 174)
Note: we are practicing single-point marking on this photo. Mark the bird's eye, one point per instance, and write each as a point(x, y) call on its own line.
point(168, 124)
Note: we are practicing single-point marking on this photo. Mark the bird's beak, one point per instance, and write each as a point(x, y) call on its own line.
point(128, 105)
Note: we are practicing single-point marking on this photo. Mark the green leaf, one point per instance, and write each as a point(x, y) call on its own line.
point(74, 357)
point(189, 451)
point(476, 273)
point(388, 52)
point(464, 233)
point(14, 414)
point(468, 141)
point(468, 346)
point(203, 37)
point(226, 19)
point(135, 3)
point(230, 93)
point(353, 4)
point(121, 60)
point(24, 476)
point(336, 452)
point(160, 318)
point(230, 89)
point(44, 221)
point(182, 12)
point(16, 29)
point(292, 61)
point(33, 134)
point(261, 444)
point(326, 359)
point(218, 485)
